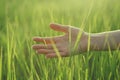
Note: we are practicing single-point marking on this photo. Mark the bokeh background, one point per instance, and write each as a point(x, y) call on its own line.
point(20, 20)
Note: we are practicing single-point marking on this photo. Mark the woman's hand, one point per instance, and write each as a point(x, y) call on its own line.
point(62, 45)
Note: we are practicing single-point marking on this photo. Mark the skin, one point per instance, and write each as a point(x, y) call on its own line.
point(62, 42)
point(65, 43)
point(105, 41)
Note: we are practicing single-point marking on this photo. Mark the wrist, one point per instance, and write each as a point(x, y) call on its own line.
point(83, 44)
point(95, 42)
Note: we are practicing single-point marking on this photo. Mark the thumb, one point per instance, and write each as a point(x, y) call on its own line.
point(59, 27)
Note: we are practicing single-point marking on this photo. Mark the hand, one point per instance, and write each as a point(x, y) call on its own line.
point(64, 44)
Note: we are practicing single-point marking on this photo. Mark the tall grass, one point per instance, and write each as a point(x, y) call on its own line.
point(21, 20)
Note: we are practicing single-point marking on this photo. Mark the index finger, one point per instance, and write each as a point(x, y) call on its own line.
point(43, 39)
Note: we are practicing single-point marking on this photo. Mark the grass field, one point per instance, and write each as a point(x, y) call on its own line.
point(20, 20)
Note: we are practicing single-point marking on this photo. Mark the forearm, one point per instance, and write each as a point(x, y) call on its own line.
point(105, 41)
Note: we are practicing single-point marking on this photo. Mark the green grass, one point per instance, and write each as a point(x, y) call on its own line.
point(20, 20)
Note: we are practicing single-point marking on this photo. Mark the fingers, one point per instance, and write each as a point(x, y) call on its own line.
point(59, 27)
point(50, 53)
point(41, 46)
point(45, 51)
point(43, 39)
point(54, 55)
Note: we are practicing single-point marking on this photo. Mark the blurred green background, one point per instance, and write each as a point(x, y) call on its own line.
point(20, 20)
